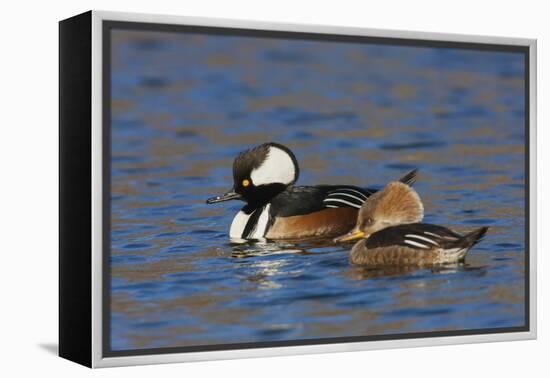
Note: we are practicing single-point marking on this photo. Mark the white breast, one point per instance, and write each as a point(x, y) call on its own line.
point(238, 224)
point(241, 219)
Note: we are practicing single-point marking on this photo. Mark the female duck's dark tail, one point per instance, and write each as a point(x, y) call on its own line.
point(474, 237)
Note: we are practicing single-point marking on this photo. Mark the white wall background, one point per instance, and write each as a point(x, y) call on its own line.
point(28, 215)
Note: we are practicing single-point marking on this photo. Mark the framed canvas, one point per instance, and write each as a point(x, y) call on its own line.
point(233, 189)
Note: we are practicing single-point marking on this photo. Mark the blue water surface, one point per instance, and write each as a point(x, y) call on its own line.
point(184, 105)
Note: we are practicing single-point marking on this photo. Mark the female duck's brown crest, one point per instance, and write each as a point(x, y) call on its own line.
point(396, 204)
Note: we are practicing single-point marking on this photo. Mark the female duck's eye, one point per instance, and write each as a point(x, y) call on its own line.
point(246, 183)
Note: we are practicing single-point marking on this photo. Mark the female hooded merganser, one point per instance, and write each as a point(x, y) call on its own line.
point(264, 178)
point(388, 224)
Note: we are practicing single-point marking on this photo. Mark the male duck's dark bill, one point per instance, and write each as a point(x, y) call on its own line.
point(231, 195)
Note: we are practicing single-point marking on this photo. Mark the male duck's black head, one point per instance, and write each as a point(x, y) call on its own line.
point(259, 174)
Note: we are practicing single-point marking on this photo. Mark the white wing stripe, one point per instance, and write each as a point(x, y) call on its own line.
point(441, 237)
point(450, 237)
point(422, 238)
point(343, 190)
point(346, 195)
point(432, 234)
point(410, 242)
point(329, 200)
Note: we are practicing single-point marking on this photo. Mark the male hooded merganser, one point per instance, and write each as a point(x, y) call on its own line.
point(388, 224)
point(264, 178)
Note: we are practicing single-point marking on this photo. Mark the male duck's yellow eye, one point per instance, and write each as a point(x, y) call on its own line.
point(246, 183)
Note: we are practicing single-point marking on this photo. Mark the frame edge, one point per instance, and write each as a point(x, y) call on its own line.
point(97, 357)
point(75, 284)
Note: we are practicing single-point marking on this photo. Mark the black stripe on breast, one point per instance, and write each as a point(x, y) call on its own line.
point(252, 222)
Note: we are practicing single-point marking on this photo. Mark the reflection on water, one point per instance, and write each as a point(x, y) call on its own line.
point(185, 105)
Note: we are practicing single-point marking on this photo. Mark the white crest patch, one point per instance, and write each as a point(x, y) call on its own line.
point(277, 167)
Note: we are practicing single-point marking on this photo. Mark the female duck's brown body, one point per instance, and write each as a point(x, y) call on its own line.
point(390, 232)
point(414, 245)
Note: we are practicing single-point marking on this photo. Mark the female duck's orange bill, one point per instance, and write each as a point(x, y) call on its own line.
point(352, 235)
